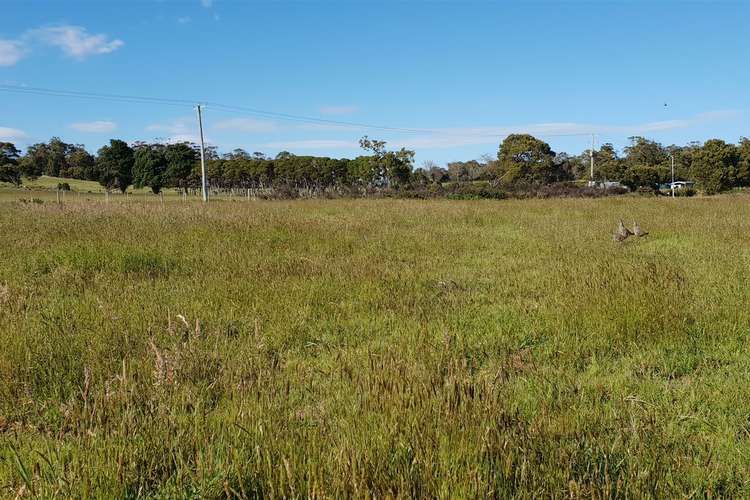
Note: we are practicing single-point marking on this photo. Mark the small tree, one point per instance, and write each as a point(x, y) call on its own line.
point(181, 158)
point(645, 152)
point(80, 164)
point(391, 167)
point(464, 171)
point(743, 162)
point(10, 173)
point(150, 167)
point(714, 166)
point(115, 164)
point(641, 176)
point(524, 159)
point(9, 153)
point(608, 166)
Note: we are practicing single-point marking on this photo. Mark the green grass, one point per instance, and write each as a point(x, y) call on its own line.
point(44, 188)
point(375, 348)
point(46, 182)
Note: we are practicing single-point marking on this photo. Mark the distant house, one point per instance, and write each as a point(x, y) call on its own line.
point(606, 184)
point(682, 184)
point(677, 185)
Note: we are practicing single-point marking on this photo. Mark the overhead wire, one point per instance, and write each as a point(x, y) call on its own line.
point(242, 110)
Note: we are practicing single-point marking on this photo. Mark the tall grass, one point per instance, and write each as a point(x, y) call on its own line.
point(375, 348)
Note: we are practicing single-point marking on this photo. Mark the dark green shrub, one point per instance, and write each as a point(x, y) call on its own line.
point(684, 192)
point(473, 191)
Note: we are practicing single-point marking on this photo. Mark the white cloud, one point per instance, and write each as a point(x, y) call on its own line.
point(247, 125)
point(11, 51)
point(207, 3)
point(178, 126)
point(178, 130)
point(469, 136)
point(338, 110)
point(313, 144)
point(183, 20)
point(75, 41)
point(326, 126)
point(172, 139)
point(444, 138)
point(96, 127)
point(12, 134)
point(185, 129)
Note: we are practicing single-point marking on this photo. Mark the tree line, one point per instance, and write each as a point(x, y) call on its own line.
point(522, 161)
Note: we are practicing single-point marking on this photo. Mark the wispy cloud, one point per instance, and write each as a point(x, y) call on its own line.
point(468, 136)
point(313, 144)
point(444, 138)
point(338, 110)
point(96, 127)
point(183, 138)
point(178, 130)
point(175, 127)
point(207, 3)
point(325, 126)
point(184, 129)
point(183, 19)
point(11, 51)
point(12, 134)
point(75, 41)
point(246, 125)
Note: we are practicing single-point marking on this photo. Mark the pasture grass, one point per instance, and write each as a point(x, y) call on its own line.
point(375, 348)
point(50, 183)
point(44, 188)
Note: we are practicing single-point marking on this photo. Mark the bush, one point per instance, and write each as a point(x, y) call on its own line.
point(475, 192)
point(284, 192)
point(564, 190)
point(647, 191)
point(416, 192)
point(10, 173)
point(63, 186)
point(684, 192)
point(480, 190)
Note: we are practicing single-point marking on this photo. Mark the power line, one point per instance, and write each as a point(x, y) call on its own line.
point(251, 111)
point(94, 96)
point(191, 103)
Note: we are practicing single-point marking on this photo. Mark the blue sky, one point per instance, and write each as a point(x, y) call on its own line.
point(463, 73)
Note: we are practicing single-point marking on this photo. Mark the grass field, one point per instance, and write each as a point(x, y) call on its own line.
point(375, 348)
point(45, 188)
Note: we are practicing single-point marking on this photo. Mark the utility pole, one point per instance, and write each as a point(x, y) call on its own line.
point(671, 157)
point(204, 180)
point(591, 157)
